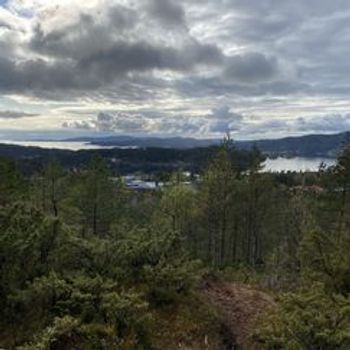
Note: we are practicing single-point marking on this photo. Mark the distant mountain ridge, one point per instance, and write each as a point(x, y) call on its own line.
point(304, 146)
point(148, 142)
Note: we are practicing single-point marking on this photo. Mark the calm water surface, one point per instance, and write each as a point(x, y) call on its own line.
point(295, 164)
point(271, 165)
point(65, 145)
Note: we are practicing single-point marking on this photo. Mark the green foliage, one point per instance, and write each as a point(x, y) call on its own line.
point(317, 314)
point(87, 264)
point(94, 198)
point(26, 239)
point(307, 320)
point(12, 185)
point(93, 292)
point(239, 212)
point(178, 203)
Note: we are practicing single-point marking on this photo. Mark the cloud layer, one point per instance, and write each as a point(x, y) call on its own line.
point(253, 68)
point(15, 115)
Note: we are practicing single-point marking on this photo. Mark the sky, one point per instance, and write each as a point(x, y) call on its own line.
point(253, 68)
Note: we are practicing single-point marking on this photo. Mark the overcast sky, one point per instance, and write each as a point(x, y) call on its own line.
point(255, 68)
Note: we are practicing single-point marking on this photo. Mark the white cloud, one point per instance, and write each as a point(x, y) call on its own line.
point(172, 67)
point(216, 123)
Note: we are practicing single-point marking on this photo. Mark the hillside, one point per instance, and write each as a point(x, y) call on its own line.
point(305, 146)
point(242, 260)
point(122, 161)
point(149, 142)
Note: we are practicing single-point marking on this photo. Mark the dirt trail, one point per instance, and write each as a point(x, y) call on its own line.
point(240, 306)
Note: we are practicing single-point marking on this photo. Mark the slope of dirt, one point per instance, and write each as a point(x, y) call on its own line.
point(239, 306)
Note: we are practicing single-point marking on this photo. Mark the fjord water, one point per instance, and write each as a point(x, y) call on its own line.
point(62, 145)
point(278, 164)
point(296, 164)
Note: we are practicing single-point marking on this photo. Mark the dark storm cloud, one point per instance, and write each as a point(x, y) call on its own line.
point(251, 68)
point(98, 47)
point(202, 87)
point(32, 75)
point(15, 115)
point(195, 56)
point(4, 25)
point(324, 123)
point(94, 51)
point(102, 68)
point(88, 35)
point(141, 56)
point(168, 11)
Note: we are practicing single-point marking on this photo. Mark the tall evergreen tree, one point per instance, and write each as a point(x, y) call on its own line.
point(96, 197)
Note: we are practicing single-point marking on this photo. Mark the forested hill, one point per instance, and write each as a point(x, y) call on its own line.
point(306, 146)
point(180, 156)
point(122, 161)
point(149, 142)
point(235, 260)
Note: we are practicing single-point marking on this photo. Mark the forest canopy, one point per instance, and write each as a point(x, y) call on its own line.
point(88, 263)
